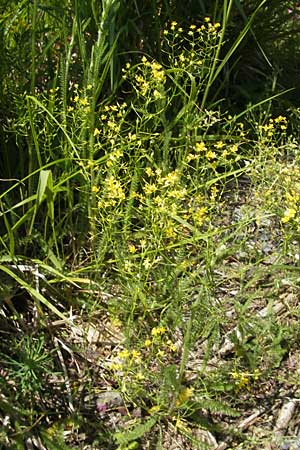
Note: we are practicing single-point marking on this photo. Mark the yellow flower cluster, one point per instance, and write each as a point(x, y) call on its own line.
point(125, 354)
point(132, 366)
point(114, 157)
point(110, 120)
point(158, 72)
point(290, 200)
point(282, 121)
point(114, 188)
point(113, 192)
point(150, 78)
point(272, 125)
point(243, 379)
point(143, 84)
point(80, 100)
point(200, 215)
point(207, 25)
point(212, 155)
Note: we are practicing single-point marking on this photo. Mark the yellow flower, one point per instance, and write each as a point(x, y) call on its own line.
point(148, 343)
point(182, 425)
point(289, 214)
point(280, 119)
point(149, 171)
point(158, 331)
point(131, 248)
point(136, 355)
point(95, 189)
point(170, 232)
point(184, 395)
point(241, 379)
point(155, 409)
point(183, 265)
point(171, 346)
point(149, 189)
point(111, 124)
point(171, 178)
point(213, 192)
point(200, 146)
point(132, 137)
point(124, 354)
point(84, 101)
point(219, 144)
point(96, 132)
point(225, 153)
point(268, 127)
point(177, 193)
point(210, 154)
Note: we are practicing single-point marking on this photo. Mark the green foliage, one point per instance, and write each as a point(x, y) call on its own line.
point(134, 210)
point(136, 432)
point(28, 366)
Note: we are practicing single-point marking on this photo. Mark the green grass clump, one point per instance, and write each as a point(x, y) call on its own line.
point(140, 250)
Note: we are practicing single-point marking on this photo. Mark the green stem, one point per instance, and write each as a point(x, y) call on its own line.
point(33, 47)
point(226, 13)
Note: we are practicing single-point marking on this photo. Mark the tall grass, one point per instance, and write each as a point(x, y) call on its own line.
point(121, 241)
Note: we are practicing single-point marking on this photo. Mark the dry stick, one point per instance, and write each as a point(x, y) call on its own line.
point(246, 423)
point(243, 425)
point(284, 417)
point(62, 362)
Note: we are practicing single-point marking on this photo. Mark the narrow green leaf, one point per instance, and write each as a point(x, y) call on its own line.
point(33, 292)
